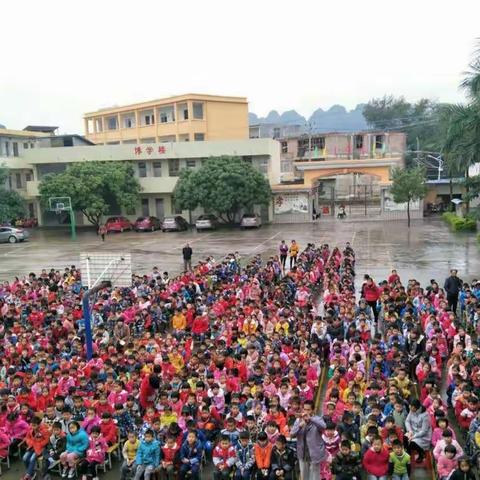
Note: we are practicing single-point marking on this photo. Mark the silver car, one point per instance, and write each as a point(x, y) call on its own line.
point(206, 222)
point(251, 220)
point(12, 234)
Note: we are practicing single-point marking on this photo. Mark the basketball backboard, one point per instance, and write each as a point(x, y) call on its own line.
point(60, 204)
point(115, 267)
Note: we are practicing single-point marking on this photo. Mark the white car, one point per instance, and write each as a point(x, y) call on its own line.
point(251, 220)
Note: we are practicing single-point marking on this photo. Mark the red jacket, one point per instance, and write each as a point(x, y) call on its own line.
point(200, 325)
point(169, 454)
point(224, 456)
point(109, 431)
point(376, 463)
point(371, 292)
point(39, 439)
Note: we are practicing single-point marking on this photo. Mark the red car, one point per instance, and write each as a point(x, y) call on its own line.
point(118, 224)
point(143, 224)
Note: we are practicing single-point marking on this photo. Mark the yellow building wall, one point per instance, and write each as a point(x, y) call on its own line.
point(226, 121)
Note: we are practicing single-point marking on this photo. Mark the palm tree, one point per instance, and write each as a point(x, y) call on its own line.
point(462, 142)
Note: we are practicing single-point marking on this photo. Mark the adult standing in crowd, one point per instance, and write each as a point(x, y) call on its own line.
point(371, 293)
point(187, 257)
point(294, 249)
point(452, 287)
point(311, 452)
point(283, 251)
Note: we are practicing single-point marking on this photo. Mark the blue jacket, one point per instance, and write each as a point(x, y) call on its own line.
point(148, 453)
point(78, 442)
point(194, 454)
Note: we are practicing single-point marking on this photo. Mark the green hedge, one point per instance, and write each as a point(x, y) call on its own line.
point(459, 224)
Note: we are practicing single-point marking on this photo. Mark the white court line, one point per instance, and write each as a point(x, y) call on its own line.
point(264, 242)
point(353, 238)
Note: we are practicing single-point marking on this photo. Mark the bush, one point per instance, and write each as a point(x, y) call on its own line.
point(459, 224)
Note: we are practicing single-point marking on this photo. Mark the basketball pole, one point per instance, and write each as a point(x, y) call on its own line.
point(72, 224)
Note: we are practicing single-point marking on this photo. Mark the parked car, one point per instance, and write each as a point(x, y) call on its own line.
point(251, 220)
point(117, 224)
point(206, 222)
point(147, 223)
point(176, 223)
point(12, 234)
point(27, 222)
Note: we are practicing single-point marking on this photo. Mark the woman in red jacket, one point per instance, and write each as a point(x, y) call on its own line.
point(375, 461)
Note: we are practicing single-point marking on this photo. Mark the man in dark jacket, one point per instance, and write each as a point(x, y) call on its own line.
point(452, 287)
point(346, 464)
point(283, 460)
point(187, 257)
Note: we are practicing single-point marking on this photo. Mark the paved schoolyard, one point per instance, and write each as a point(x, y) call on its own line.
point(428, 250)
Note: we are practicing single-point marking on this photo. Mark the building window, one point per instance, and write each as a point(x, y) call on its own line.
point(128, 122)
point(112, 123)
point(142, 169)
point(197, 111)
point(149, 119)
point(317, 143)
point(199, 137)
point(276, 132)
point(263, 166)
point(358, 141)
point(191, 163)
point(25, 146)
point(7, 149)
point(176, 210)
point(18, 180)
point(32, 145)
point(15, 149)
point(157, 169)
point(145, 207)
point(28, 177)
point(284, 147)
point(173, 167)
point(286, 166)
point(379, 141)
point(247, 159)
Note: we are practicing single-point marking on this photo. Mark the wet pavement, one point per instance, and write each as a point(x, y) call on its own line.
point(428, 250)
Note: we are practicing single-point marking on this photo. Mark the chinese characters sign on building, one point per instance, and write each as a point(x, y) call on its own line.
point(291, 203)
point(140, 150)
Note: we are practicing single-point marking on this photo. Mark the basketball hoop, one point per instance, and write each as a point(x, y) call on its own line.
point(58, 211)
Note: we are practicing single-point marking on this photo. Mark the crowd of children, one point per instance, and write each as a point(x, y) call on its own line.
point(221, 365)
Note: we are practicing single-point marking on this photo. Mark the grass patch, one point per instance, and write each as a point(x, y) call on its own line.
point(458, 224)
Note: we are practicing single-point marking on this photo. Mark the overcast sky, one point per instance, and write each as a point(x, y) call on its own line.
point(63, 58)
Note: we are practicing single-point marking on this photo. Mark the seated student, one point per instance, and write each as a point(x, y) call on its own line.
point(129, 453)
point(447, 439)
point(223, 457)
point(36, 440)
point(191, 457)
point(109, 429)
point(244, 459)
point(97, 449)
point(399, 462)
point(463, 470)
point(375, 460)
point(77, 445)
point(169, 460)
point(346, 464)
point(148, 457)
point(282, 461)
point(263, 453)
point(331, 438)
point(446, 462)
point(56, 446)
point(4, 444)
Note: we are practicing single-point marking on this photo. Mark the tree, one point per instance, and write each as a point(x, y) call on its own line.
point(462, 140)
point(422, 121)
point(94, 187)
point(223, 185)
point(12, 205)
point(408, 185)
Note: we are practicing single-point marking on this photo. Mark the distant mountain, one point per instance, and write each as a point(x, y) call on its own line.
point(336, 118)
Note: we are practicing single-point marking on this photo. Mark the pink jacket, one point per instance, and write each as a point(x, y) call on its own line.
point(16, 429)
point(89, 423)
point(4, 444)
point(97, 448)
point(445, 465)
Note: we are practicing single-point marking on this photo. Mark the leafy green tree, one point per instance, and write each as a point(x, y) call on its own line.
point(224, 185)
point(94, 187)
point(423, 121)
point(12, 205)
point(462, 140)
point(408, 185)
